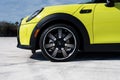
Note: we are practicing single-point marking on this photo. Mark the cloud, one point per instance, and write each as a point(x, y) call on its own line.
point(14, 10)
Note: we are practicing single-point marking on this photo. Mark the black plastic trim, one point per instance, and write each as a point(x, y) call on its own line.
point(113, 47)
point(86, 11)
point(87, 47)
point(24, 47)
point(18, 40)
point(64, 17)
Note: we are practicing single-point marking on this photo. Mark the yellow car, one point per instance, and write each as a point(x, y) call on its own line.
point(61, 31)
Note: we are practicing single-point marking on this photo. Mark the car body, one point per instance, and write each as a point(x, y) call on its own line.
point(60, 31)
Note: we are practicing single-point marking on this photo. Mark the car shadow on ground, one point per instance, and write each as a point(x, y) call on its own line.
point(38, 56)
point(85, 56)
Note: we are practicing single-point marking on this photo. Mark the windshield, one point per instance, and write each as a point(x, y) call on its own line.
point(87, 1)
point(69, 1)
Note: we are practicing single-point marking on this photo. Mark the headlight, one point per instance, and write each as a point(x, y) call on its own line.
point(34, 14)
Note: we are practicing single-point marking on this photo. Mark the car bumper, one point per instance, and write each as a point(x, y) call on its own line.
point(19, 45)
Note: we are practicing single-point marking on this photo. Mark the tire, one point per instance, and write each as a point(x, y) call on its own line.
point(59, 42)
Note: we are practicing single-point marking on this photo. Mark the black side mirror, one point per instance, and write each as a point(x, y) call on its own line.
point(110, 3)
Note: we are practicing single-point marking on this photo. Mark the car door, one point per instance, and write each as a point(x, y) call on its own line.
point(106, 24)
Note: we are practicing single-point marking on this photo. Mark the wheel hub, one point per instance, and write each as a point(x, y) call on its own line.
point(59, 43)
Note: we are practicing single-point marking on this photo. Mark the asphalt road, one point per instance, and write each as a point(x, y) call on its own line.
point(19, 64)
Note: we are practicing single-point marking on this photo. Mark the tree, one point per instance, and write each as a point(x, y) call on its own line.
point(8, 29)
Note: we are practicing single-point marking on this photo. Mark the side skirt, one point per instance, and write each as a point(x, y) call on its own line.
point(102, 48)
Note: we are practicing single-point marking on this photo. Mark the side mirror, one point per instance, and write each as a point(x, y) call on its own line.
point(110, 3)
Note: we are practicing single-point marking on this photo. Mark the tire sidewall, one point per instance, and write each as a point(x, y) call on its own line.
point(41, 42)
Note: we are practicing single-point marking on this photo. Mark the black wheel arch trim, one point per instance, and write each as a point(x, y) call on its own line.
point(87, 46)
point(65, 17)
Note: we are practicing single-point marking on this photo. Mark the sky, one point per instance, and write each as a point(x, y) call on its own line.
point(14, 10)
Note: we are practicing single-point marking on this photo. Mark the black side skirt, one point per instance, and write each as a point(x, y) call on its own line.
point(102, 48)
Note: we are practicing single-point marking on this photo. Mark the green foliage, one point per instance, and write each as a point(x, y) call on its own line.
point(8, 29)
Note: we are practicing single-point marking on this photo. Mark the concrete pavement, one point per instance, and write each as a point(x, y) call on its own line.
point(19, 64)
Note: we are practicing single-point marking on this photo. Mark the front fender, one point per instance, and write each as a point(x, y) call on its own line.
point(59, 17)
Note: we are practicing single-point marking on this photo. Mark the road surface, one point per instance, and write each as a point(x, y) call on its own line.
point(19, 64)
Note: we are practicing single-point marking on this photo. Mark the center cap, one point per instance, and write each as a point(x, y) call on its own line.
point(60, 43)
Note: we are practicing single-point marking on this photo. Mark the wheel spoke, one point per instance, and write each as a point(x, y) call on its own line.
point(59, 43)
point(68, 37)
point(52, 37)
point(64, 52)
point(59, 33)
point(70, 45)
point(55, 52)
point(49, 45)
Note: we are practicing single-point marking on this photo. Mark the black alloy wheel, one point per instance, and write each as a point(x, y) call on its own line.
point(59, 42)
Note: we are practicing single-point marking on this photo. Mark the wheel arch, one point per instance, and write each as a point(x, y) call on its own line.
point(60, 18)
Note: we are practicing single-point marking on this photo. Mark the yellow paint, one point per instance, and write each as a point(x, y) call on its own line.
point(87, 18)
point(102, 24)
point(25, 33)
point(107, 24)
point(26, 28)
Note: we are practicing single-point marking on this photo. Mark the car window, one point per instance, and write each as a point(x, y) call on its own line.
point(117, 0)
point(87, 1)
point(100, 1)
point(93, 1)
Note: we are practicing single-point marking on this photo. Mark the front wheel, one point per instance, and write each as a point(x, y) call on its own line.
point(59, 42)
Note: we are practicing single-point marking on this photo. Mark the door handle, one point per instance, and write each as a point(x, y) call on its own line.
point(86, 11)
